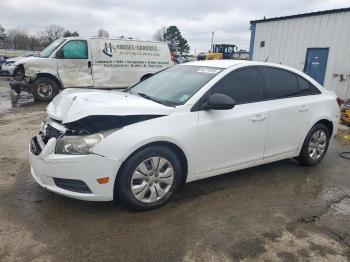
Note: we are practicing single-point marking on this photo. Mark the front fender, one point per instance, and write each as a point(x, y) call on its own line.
point(177, 129)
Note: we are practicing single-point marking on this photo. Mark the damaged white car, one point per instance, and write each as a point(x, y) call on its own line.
point(185, 123)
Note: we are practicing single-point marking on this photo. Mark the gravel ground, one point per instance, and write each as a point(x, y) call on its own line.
point(275, 212)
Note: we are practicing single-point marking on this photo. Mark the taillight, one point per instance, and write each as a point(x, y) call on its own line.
point(339, 101)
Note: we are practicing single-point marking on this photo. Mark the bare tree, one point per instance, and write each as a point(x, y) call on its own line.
point(102, 33)
point(17, 39)
point(2, 30)
point(159, 34)
point(51, 33)
point(69, 33)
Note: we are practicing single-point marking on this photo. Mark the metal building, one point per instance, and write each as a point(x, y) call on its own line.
point(317, 43)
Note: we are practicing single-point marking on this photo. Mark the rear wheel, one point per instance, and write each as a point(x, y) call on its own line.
point(315, 145)
point(149, 178)
point(44, 89)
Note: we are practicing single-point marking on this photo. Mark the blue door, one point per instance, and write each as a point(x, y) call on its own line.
point(316, 63)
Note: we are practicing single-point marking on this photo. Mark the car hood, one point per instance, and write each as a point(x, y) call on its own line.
point(73, 104)
point(21, 59)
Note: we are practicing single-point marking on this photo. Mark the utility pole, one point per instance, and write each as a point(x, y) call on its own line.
point(212, 39)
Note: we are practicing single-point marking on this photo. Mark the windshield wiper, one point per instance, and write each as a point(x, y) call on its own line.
point(150, 98)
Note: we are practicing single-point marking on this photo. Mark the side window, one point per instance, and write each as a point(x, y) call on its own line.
point(75, 49)
point(306, 88)
point(280, 83)
point(244, 86)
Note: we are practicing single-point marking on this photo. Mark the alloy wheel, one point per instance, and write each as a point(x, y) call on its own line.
point(317, 144)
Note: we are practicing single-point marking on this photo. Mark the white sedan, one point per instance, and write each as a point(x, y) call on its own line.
point(185, 123)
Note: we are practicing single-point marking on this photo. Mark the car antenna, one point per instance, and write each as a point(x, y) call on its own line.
point(267, 58)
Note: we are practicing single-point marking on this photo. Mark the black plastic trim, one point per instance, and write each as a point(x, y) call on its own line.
point(72, 185)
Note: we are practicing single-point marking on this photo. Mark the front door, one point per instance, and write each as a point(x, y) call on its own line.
point(229, 138)
point(316, 63)
point(74, 68)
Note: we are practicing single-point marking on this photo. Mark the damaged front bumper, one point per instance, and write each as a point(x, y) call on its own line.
point(20, 85)
point(73, 176)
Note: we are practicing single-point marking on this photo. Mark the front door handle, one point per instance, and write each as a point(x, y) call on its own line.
point(303, 108)
point(89, 64)
point(258, 117)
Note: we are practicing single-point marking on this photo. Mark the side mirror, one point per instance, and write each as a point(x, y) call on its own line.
point(60, 54)
point(218, 102)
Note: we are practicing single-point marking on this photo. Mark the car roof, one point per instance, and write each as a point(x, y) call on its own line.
point(216, 63)
point(230, 63)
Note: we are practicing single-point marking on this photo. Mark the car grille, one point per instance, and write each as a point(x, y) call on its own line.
point(47, 131)
point(72, 185)
point(35, 148)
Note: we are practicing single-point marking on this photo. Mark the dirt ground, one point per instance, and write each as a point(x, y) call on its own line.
point(275, 212)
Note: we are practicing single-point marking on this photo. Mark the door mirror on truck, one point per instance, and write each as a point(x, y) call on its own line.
point(60, 54)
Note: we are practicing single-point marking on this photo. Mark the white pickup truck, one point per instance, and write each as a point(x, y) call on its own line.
point(90, 63)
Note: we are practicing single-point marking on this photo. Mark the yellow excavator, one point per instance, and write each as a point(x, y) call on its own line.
point(219, 51)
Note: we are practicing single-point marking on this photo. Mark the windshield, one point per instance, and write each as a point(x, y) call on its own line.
point(51, 47)
point(175, 85)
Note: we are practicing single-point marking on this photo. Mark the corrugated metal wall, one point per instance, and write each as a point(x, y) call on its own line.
point(286, 42)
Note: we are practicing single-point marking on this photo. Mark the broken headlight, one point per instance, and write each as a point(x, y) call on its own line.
point(77, 145)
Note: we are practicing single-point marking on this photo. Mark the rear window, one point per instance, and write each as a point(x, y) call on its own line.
point(280, 83)
point(306, 88)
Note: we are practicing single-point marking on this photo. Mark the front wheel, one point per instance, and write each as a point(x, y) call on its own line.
point(315, 145)
point(149, 178)
point(44, 89)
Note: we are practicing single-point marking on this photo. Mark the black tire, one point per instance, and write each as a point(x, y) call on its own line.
point(40, 85)
point(123, 193)
point(304, 157)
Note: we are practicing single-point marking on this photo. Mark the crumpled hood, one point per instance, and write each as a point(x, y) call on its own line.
point(73, 104)
point(26, 60)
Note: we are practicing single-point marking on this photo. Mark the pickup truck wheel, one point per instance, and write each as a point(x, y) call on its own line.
point(149, 178)
point(44, 89)
point(315, 145)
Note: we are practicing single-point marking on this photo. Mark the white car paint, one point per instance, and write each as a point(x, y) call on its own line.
point(213, 141)
point(110, 63)
point(73, 104)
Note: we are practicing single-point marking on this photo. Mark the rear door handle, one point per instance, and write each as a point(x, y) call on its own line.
point(258, 117)
point(303, 108)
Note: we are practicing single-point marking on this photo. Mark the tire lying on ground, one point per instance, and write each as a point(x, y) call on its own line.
point(44, 89)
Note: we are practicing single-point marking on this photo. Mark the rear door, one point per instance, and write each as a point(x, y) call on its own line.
point(227, 138)
point(288, 112)
point(74, 69)
point(316, 63)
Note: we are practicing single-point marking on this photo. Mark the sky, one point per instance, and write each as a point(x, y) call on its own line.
point(141, 18)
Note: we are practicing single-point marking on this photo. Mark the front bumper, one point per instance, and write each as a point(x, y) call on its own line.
point(47, 165)
point(21, 85)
